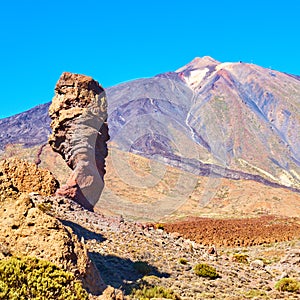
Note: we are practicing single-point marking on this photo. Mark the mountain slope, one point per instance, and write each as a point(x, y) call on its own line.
point(216, 120)
point(29, 128)
point(234, 120)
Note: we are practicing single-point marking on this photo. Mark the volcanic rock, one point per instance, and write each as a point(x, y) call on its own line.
point(111, 293)
point(79, 134)
point(29, 128)
point(27, 230)
point(17, 176)
point(258, 264)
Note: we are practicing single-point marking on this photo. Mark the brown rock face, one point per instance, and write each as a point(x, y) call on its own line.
point(18, 176)
point(27, 230)
point(79, 134)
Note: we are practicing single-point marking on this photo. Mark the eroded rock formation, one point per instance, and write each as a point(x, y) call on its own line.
point(18, 176)
point(79, 134)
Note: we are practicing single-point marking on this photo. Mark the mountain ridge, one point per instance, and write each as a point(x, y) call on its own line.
point(17, 130)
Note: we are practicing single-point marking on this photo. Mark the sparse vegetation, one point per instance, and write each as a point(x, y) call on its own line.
point(146, 292)
point(288, 285)
point(266, 261)
point(44, 207)
point(255, 293)
point(183, 261)
point(204, 270)
point(31, 278)
point(142, 267)
point(159, 226)
point(240, 258)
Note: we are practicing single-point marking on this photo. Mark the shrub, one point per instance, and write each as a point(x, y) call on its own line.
point(159, 226)
point(146, 293)
point(142, 267)
point(3, 290)
point(204, 270)
point(31, 278)
point(267, 261)
point(45, 207)
point(288, 285)
point(240, 258)
point(255, 293)
point(183, 261)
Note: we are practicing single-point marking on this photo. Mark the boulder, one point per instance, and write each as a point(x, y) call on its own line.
point(257, 264)
point(111, 293)
point(18, 176)
point(79, 134)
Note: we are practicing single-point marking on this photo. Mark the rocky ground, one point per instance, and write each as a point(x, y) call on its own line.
point(245, 272)
point(237, 232)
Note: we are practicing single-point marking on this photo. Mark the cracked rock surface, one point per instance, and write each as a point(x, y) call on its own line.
point(79, 134)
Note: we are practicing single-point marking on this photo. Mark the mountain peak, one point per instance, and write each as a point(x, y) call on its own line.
point(194, 72)
point(205, 58)
point(199, 63)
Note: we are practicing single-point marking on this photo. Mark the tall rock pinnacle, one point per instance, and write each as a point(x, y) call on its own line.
point(79, 134)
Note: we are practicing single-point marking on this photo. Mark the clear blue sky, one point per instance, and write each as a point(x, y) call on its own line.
point(116, 41)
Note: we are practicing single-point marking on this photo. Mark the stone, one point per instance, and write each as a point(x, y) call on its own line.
point(111, 293)
point(175, 235)
point(283, 275)
point(79, 134)
point(18, 176)
point(292, 257)
point(212, 250)
point(257, 264)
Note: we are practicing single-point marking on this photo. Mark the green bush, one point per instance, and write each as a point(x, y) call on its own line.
point(240, 258)
point(204, 270)
point(30, 278)
point(142, 267)
point(45, 207)
point(146, 293)
point(288, 285)
point(159, 226)
point(183, 261)
point(255, 293)
point(3, 290)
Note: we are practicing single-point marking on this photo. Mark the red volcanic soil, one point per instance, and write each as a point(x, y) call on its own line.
point(237, 232)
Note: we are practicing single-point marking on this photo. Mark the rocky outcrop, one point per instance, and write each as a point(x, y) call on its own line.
point(18, 176)
point(79, 134)
point(27, 230)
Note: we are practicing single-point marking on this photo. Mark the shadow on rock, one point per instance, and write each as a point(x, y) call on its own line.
point(82, 232)
point(122, 273)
